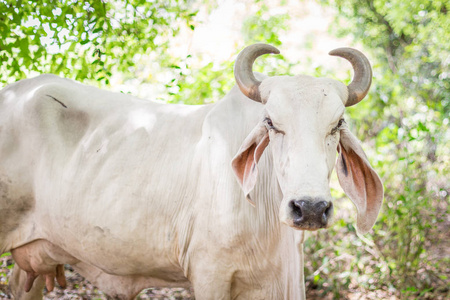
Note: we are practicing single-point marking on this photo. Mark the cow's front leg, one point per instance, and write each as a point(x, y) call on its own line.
point(211, 289)
point(18, 281)
point(299, 239)
point(210, 282)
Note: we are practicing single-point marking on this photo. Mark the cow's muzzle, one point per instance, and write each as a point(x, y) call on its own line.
point(311, 214)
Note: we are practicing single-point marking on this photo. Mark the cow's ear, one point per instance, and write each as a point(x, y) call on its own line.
point(359, 180)
point(245, 162)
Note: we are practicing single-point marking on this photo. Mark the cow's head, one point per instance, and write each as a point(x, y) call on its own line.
point(304, 126)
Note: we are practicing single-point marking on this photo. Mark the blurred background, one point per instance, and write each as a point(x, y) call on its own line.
point(178, 51)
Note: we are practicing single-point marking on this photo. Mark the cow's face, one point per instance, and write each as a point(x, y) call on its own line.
point(303, 125)
point(302, 118)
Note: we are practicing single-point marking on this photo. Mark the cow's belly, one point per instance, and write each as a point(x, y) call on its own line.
point(122, 252)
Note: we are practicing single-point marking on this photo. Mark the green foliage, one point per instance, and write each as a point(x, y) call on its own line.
point(263, 27)
point(202, 86)
point(405, 119)
point(410, 40)
point(212, 81)
point(91, 40)
point(5, 269)
point(84, 39)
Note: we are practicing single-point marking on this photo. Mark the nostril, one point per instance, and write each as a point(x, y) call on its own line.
point(327, 212)
point(296, 207)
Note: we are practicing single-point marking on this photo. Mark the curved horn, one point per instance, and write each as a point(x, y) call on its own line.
point(362, 79)
point(243, 73)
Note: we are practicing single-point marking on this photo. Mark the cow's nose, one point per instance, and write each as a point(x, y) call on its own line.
point(311, 214)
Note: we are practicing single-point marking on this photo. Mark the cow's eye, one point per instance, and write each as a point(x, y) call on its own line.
point(269, 123)
point(338, 126)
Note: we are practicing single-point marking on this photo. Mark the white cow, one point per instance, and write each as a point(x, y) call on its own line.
point(135, 194)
